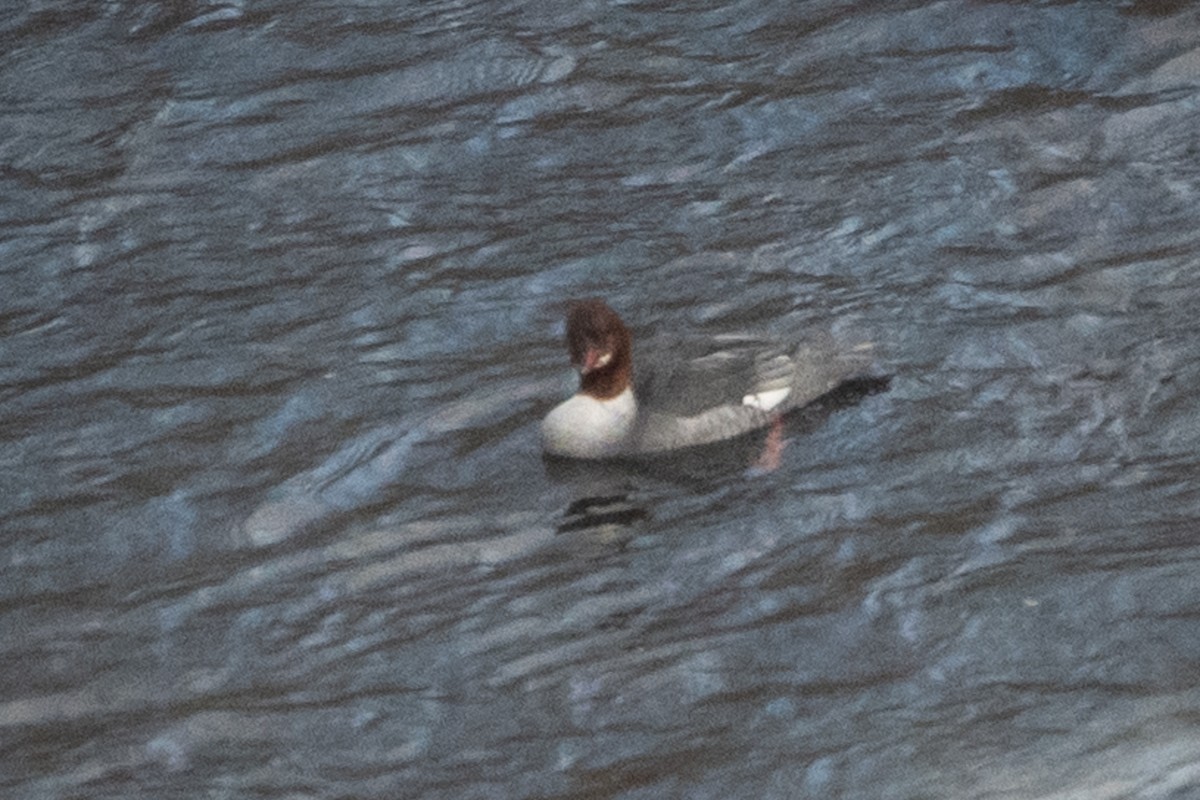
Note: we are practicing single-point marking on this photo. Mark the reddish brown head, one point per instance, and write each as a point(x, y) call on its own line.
point(600, 347)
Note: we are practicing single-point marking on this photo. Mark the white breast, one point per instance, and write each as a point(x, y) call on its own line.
point(584, 427)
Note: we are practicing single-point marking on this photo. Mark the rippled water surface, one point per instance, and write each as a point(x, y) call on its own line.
point(281, 312)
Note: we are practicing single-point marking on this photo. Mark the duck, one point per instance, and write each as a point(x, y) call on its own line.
point(687, 394)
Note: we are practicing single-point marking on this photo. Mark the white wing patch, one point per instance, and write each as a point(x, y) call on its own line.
point(765, 401)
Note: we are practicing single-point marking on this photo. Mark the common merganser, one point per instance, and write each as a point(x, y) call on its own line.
point(703, 392)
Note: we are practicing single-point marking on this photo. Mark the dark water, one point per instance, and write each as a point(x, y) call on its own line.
point(280, 316)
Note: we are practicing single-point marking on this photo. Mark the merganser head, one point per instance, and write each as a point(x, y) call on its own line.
point(600, 347)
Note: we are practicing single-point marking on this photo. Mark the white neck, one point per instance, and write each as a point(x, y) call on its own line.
point(584, 427)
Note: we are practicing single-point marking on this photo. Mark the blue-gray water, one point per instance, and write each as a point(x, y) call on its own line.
point(280, 314)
